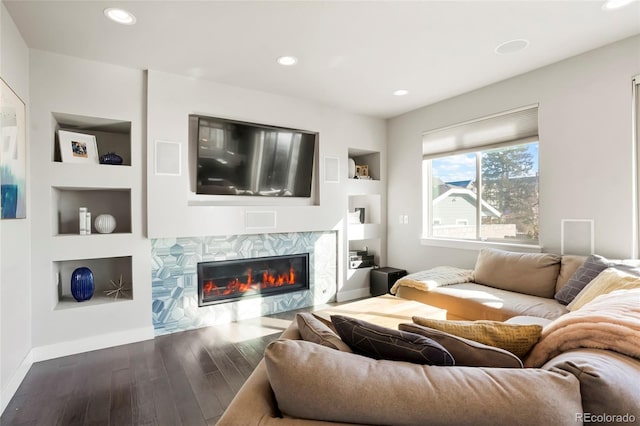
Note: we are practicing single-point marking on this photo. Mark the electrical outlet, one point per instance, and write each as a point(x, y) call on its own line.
point(401, 220)
point(405, 219)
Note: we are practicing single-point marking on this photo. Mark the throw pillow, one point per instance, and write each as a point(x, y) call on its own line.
point(515, 338)
point(467, 352)
point(529, 273)
point(583, 276)
point(313, 330)
point(607, 281)
point(384, 343)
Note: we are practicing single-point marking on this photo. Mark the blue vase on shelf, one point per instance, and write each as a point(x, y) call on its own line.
point(82, 286)
point(111, 158)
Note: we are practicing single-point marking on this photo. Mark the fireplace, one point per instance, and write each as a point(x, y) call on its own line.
point(230, 280)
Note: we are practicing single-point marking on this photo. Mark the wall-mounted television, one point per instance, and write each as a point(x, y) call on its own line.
point(240, 158)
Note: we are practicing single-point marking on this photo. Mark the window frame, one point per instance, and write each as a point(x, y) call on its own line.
point(427, 237)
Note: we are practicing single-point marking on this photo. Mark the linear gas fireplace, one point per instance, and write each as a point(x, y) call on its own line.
point(229, 280)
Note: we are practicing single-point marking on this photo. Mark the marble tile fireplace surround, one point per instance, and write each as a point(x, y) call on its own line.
point(175, 276)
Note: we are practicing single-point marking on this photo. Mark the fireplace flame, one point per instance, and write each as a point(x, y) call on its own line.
point(269, 280)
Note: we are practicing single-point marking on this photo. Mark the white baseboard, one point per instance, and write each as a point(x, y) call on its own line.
point(359, 293)
point(43, 353)
point(12, 385)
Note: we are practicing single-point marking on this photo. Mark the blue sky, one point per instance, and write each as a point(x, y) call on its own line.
point(463, 167)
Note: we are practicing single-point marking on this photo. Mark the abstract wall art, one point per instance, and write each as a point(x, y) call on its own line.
point(13, 164)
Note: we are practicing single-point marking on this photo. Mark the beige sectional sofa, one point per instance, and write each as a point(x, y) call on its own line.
point(504, 285)
point(304, 383)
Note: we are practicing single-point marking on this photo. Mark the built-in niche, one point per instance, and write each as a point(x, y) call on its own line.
point(112, 201)
point(111, 135)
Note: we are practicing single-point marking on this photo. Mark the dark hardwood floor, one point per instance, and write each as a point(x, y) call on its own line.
point(185, 378)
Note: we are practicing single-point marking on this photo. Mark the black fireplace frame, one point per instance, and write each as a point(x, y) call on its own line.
point(274, 291)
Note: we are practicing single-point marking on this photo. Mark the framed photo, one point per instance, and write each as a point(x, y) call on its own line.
point(362, 170)
point(77, 147)
point(13, 164)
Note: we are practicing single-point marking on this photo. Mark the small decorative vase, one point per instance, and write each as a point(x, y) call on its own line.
point(105, 223)
point(82, 284)
point(352, 168)
point(111, 158)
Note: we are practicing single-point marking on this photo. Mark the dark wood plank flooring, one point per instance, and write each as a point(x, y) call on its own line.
point(185, 378)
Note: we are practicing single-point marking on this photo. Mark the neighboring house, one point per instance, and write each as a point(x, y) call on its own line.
point(454, 214)
point(457, 206)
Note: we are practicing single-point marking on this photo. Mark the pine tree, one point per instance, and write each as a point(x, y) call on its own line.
point(509, 185)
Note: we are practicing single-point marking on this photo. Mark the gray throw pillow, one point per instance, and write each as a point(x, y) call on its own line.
point(583, 276)
point(384, 343)
point(467, 353)
point(313, 330)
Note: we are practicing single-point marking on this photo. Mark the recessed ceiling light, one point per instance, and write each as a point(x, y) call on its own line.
point(615, 4)
point(120, 16)
point(287, 60)
point(400, 92)
point(511, 46)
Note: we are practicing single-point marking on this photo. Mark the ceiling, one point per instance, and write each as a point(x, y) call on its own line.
point(352, 54)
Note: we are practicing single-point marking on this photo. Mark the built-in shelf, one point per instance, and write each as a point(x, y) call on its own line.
point(359, 278)
point(68, 302)
point(364, 231)
point(105, 270)
point(370, 204)
point(367, 234)
point(67, 201)
point(111, 135)
point(370, 159)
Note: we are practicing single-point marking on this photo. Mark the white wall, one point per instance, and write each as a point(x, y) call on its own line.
point(15, 261)
point(172, 205)
point(67, 85)
point(585, 152)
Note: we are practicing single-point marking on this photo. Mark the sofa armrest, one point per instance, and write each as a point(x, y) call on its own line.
point(255, 403)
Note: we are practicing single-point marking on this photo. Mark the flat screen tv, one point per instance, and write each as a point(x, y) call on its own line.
point(239, 158)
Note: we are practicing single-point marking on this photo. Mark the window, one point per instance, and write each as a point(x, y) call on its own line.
point(488, 190)
point(636, 164)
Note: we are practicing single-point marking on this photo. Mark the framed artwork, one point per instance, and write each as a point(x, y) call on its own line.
point(362, 170)
point(77, 147)
point(13, 162)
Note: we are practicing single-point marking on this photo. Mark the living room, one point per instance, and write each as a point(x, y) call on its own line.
point(587, 171)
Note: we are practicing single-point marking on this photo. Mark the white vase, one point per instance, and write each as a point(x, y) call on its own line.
point(105, 223)
point(352, 168)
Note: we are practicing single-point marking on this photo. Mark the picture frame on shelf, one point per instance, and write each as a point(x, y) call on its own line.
point(77, 147)
point(362, 171)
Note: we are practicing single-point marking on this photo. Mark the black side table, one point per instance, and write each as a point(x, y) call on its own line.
point(382, 279)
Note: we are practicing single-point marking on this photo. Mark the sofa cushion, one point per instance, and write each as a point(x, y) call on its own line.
point(384, 343)
point(609, 382)
point(583, 276)
point(313, 330)
point(467, 352)
point(515, 338)
point(528, 320)
point(471, 301)
point(607, 281)
point(314, 382)
point(529, 273)
point(568, 266)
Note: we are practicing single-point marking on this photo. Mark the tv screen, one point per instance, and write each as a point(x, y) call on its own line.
point(238, 158)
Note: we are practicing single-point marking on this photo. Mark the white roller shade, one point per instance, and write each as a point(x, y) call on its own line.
point(487, 132)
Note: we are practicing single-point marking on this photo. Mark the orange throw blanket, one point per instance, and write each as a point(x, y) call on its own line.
point(610, 321)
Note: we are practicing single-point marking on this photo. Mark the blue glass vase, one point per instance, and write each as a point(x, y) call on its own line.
point(82, 284)
point(111, 158)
